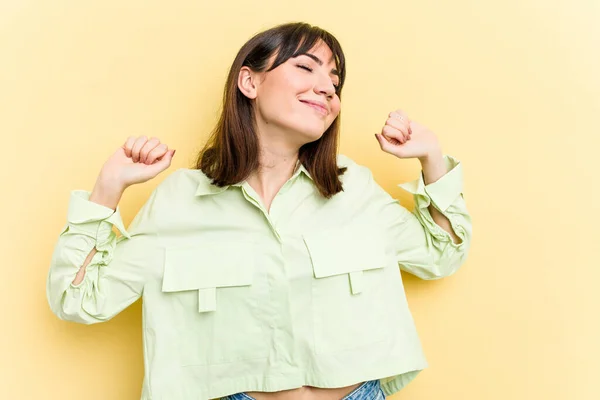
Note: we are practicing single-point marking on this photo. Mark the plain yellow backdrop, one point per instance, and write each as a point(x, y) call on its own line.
point(512, 89)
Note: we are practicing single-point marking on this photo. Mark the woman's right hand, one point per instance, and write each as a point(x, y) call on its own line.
point(138, 160)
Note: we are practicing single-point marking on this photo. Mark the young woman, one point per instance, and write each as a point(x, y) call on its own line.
point(270, 270)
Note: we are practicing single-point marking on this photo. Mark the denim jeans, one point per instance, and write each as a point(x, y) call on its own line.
point(370, 390)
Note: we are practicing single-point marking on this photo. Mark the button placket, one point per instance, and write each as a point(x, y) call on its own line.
point(258, 204)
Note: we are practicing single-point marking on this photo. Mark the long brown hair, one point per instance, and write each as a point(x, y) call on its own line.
point(232, 151)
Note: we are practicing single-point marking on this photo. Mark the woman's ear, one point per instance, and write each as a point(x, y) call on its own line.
point(247, 82)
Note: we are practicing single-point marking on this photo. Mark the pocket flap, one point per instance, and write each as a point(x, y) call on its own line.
point(345, 251)
point(208, 265)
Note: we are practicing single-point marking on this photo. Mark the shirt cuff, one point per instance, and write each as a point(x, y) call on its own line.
point(84, 212)
point(443, 192)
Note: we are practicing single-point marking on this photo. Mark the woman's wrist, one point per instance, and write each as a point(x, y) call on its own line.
point(433, 167)
point(107, 193)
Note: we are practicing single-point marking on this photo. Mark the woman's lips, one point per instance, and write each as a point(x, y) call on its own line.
point(319, 108)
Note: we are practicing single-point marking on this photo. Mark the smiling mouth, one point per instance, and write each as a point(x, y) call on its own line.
point(320, 109)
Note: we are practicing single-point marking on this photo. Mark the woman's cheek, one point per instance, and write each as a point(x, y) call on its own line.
point(335, 109)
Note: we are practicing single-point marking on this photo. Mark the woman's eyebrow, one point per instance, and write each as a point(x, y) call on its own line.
point(320, 62)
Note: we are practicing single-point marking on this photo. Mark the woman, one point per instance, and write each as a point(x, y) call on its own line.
point(270, 270)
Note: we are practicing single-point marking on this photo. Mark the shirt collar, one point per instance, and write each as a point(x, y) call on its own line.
point(301, 169)
point(205, 186)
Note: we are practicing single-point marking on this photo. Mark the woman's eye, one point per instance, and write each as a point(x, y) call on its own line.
point(305, 67)
point(309, 69)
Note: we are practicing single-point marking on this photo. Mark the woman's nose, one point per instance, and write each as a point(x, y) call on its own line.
point(325, 86)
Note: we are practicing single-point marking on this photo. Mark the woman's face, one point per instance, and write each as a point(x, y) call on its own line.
point(298, 98)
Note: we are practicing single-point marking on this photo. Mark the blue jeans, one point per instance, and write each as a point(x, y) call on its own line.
point(370, 390)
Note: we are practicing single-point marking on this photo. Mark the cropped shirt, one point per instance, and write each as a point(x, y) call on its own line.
point(236, 298)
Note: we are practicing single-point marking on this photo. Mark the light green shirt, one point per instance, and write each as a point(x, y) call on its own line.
point(238, 299)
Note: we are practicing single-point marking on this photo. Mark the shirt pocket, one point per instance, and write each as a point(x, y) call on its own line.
point(215, 302)
point(349, 289)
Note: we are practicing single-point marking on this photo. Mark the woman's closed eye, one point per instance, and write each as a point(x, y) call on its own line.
point(309, 69)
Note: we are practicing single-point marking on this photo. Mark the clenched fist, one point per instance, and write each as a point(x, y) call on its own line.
point(407, 139)
point(138, 160)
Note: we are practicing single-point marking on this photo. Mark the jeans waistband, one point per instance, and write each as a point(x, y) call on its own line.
point(367, 391)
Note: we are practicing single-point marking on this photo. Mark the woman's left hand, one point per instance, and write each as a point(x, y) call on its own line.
point(404, 138)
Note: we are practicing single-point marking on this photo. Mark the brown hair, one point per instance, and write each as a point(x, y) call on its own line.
point(232, 152)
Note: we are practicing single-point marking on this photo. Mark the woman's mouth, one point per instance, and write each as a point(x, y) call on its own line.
point(319, 107)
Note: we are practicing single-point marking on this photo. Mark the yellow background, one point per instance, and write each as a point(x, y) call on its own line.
point(512, 89)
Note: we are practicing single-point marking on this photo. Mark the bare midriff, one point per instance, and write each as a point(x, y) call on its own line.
point(306, 393)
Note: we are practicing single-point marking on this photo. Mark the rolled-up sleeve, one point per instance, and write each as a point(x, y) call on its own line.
point(422, 247)
point(116, 274)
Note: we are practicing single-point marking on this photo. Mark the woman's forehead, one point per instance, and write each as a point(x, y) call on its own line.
point(322, 50)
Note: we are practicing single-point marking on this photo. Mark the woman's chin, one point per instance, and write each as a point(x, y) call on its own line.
point(310, 137)
point(311, 134)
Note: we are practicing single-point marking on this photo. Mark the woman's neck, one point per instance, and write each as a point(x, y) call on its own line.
point(276, 167)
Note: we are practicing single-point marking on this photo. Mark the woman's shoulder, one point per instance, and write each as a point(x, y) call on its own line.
point(356, 175)
point(345, 161)
point(182, 178)
point(181, 183)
